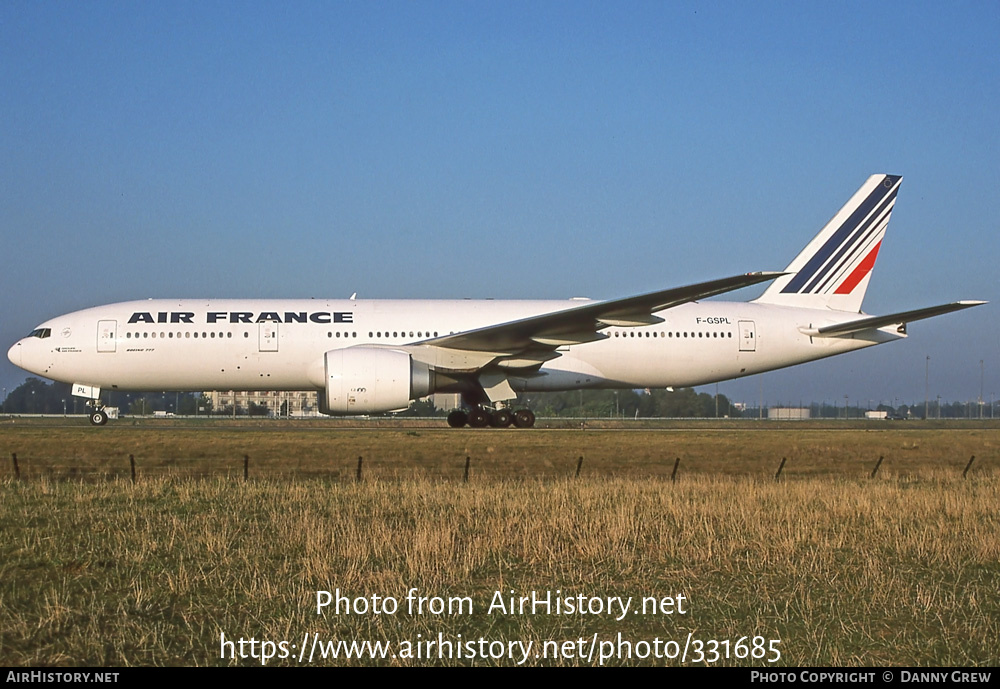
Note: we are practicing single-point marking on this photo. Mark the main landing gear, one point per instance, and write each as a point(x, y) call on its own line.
point(97, 415)
point(478, 417)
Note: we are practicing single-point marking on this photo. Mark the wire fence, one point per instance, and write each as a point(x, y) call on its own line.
point(242, 468)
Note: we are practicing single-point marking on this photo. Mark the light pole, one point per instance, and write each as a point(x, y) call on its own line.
point(760, 405)
point(980, 388)
point(927, 378)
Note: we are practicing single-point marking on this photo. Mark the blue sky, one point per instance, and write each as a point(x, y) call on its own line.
point(509, 150)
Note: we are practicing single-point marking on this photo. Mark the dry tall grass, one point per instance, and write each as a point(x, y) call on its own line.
point(900, 570)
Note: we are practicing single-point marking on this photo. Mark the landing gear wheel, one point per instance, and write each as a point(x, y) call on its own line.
point(478, 418)
point(98, 417)
point(501, 418)
point(458, 418)
point(524, 418)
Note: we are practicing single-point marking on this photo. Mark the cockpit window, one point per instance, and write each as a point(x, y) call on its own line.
point(41, 333)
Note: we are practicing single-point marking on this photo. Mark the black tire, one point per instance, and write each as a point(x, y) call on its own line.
point(98, 417)
point(501, 418)
point(478, 418)
point(524, 418)
point(458, 418)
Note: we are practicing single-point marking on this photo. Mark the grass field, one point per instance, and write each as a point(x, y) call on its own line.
point(425, 449)
point(839, 568)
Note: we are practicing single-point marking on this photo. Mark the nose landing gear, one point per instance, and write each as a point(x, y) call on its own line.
point(97, 415)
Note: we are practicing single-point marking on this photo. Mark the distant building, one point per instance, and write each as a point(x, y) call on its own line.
point(277, 403)
point(298, 404)
point(446, 400)
point(788, 413)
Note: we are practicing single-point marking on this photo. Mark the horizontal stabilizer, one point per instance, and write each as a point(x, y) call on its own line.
point(902, 317)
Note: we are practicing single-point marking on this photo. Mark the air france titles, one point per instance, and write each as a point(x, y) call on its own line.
point(245, 317)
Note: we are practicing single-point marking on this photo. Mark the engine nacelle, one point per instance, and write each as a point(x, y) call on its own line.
point(370, 380)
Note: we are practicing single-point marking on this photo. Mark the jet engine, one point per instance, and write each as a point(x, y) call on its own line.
point(371, 380)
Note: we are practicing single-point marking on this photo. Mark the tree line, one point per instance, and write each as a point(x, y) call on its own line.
point(36, 396)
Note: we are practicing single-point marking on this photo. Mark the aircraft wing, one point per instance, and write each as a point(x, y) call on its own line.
point(902, 317)
point(580, 324)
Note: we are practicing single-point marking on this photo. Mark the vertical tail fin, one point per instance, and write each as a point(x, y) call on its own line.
point(833, 270)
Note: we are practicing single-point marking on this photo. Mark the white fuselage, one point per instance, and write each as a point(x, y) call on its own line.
point(161, 345)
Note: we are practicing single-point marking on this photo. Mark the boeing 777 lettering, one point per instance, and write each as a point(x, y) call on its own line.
point(372, 356)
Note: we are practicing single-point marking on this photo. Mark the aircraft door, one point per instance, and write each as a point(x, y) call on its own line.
point(748, 336)
point(268, 336)
point(107, 336)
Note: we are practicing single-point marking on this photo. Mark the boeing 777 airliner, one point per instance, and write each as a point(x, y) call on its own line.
point(371, 356)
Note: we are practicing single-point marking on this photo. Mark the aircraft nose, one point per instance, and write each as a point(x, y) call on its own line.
point(14, 354)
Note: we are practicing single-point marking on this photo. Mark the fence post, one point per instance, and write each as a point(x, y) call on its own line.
point(246, 467)
point(468, 460)
point(778, 475)
point(579, 463)
point(969, 465)
point(358, 478)
point(673, 474)
point(17, 469)
point(877, 465)
point(131, 464)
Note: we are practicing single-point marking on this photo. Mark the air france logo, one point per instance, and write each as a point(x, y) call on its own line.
point(245, 317)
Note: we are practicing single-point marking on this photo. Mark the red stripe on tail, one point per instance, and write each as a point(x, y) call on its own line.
point(865, 267)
